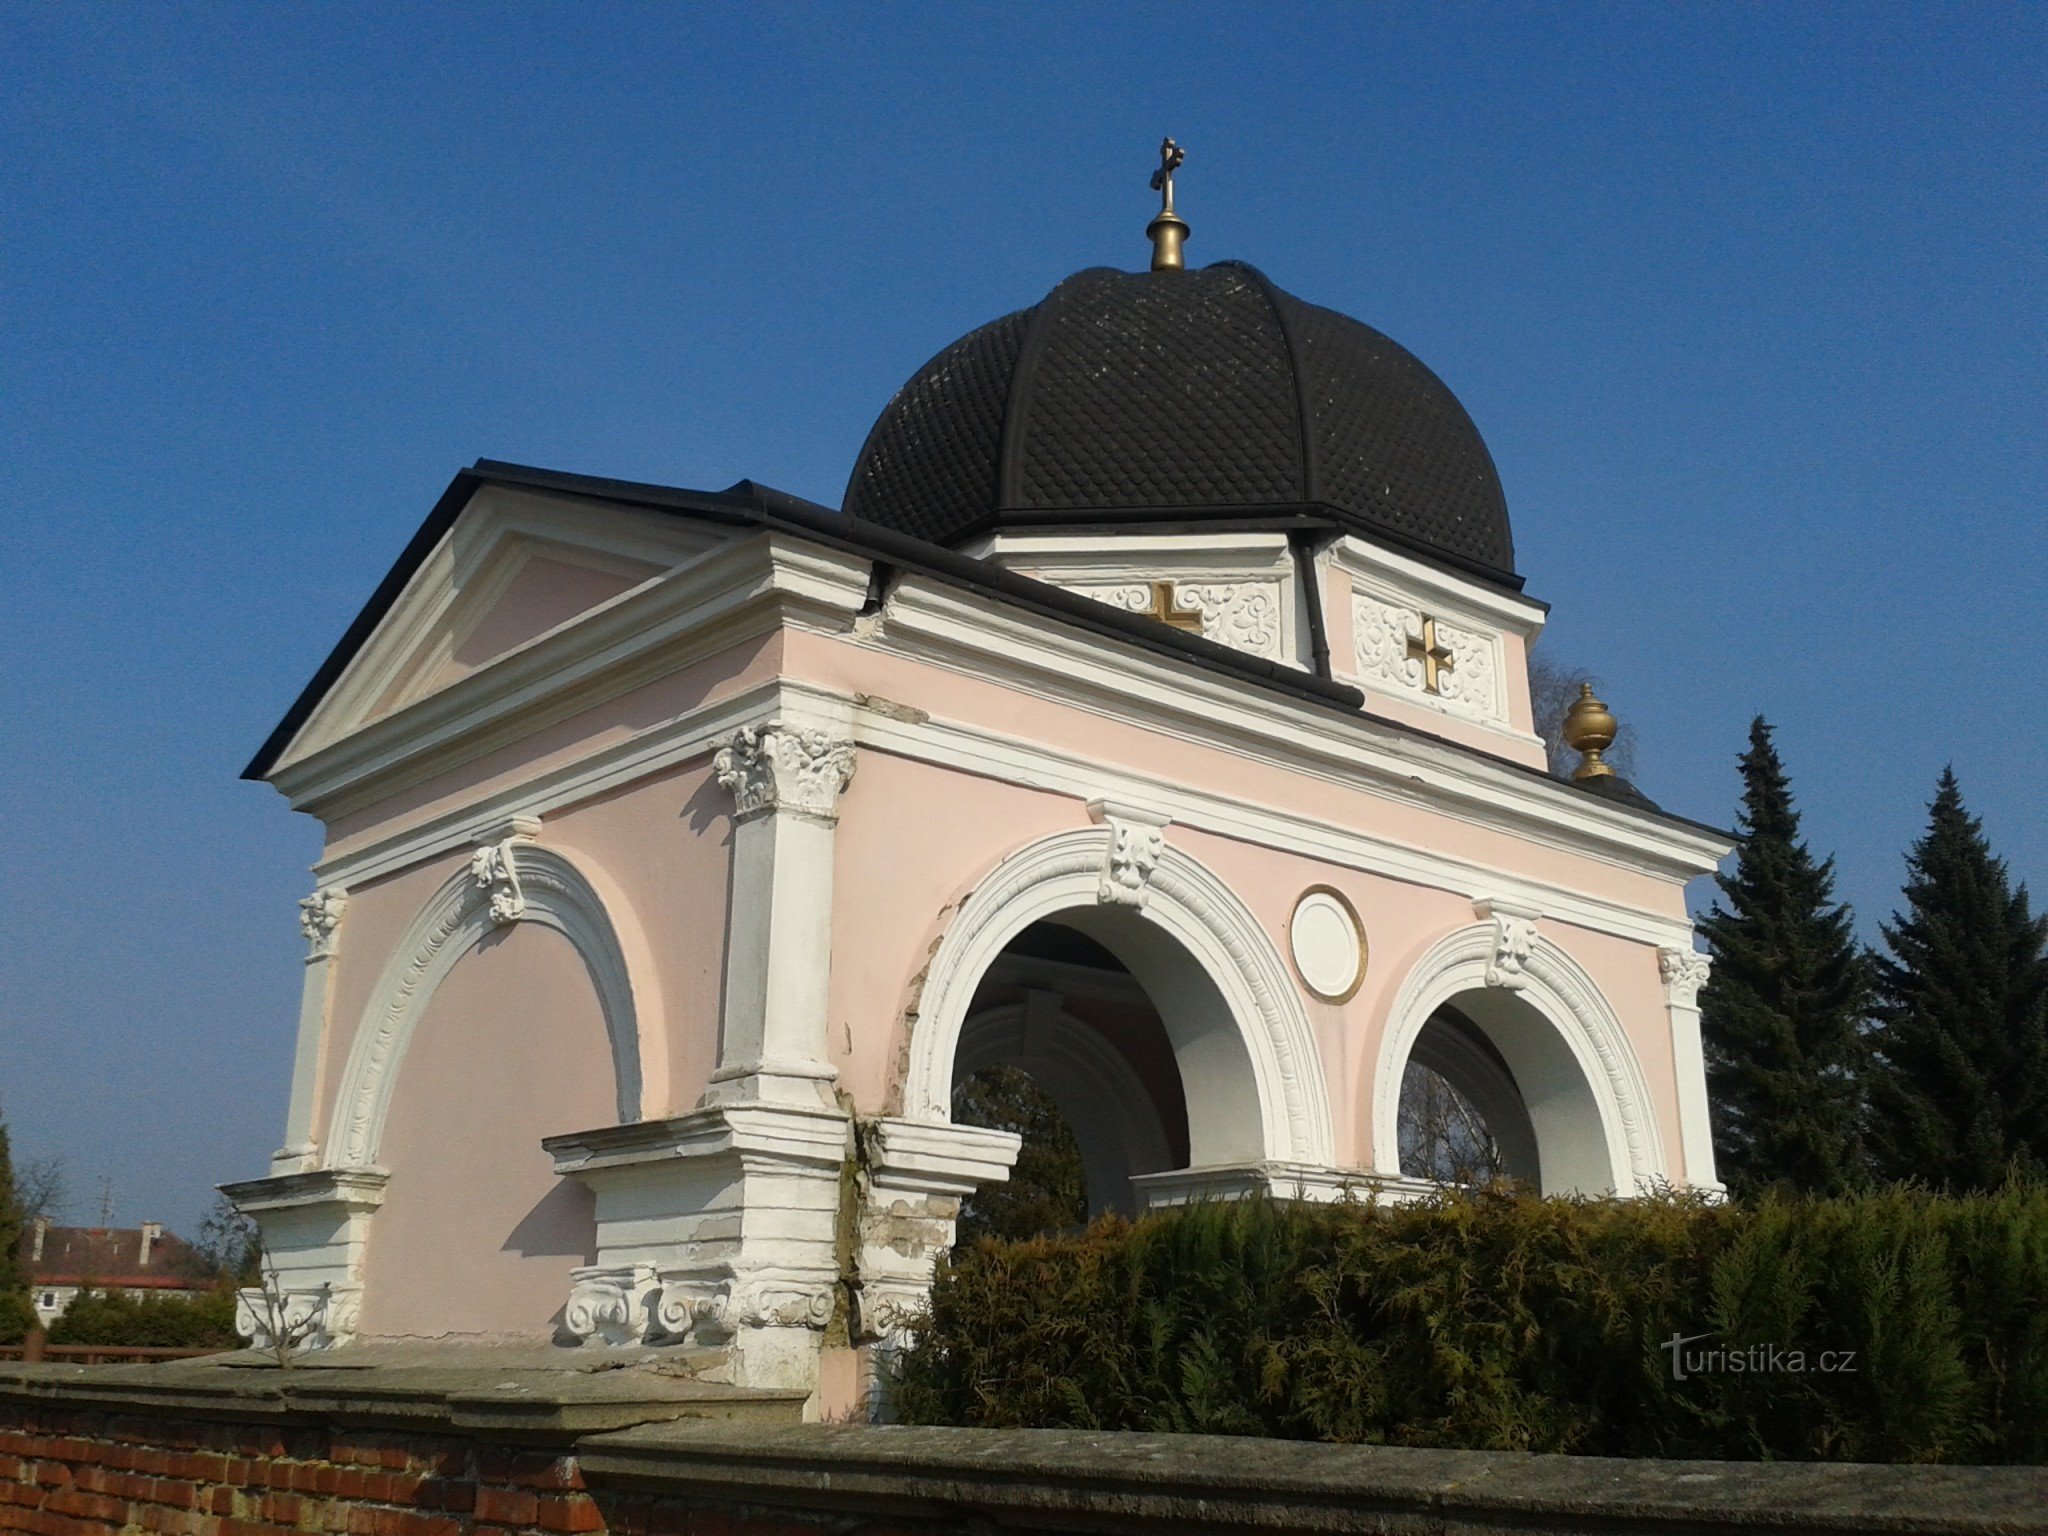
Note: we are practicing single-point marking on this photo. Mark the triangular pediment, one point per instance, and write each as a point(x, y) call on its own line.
point(515, 567)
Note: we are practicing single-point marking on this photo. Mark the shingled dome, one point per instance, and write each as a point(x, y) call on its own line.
point(1186, 396)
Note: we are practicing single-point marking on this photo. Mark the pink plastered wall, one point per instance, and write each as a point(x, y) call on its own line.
point(544, 593)
point(615, 720)
point(476, 1236)
point(912, 841)
point(1005, 711)
point(915, 838)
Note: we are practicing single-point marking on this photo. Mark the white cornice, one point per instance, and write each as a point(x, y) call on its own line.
point(882, 725)
point(746, 589)
point(952, 629)
point(1453, 597)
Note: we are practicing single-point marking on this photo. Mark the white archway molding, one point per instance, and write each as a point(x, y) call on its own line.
point(1249, 1066)
point(551, 890)
point(1105, 1102)
point(1589, 1051)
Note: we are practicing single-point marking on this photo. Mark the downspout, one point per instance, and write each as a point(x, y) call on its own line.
point(1303, 542)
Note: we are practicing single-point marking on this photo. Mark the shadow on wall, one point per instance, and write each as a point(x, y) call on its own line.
point(562, 1223)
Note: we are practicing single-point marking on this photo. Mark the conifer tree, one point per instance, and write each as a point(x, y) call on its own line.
point(1782, 1013)
point(1959, 1086)
point(12, 1277)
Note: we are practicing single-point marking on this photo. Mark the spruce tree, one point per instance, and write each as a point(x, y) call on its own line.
point(1782, 1013)
point(1959, 1087)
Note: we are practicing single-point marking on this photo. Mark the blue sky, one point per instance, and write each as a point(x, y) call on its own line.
point(1747, 300)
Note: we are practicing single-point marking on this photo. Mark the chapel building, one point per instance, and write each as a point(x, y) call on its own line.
point(1153, 717)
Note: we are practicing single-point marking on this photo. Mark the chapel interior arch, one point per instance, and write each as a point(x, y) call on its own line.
point(1124, 1030)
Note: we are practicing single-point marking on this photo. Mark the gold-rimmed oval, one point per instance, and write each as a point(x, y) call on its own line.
point(1362, 957)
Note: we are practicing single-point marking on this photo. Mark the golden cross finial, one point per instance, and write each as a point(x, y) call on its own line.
point(1168, 231)
point(1435, 656)
point(1163, 609)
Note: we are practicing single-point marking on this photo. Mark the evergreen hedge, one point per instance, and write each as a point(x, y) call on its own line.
point(206, 1321)
point(1509, 1322)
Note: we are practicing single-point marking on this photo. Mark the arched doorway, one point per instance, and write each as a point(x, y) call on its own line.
point(1173, 1035)
point(1463, 1120)
point(1534, 1051)
point(1060, 1009)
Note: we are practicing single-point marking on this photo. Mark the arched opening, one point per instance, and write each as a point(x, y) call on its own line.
point(1462, 1116)
point(1537, 1037)
point(1063, 1035)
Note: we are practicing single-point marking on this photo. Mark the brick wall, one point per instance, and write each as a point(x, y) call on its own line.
point(98, 1474)
point(192, 1451)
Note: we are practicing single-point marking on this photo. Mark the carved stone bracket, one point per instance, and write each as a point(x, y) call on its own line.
point(785, 768)
point(712, 1308)
point(494, 871)
point(613, 1304)
point(320, 919)
point(1137, 840)
point(1514, 941)
point(1684, 971)
point(312, 1317)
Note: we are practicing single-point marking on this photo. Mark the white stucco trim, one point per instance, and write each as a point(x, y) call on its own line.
point(1459, 598)
point(930, 621)
point(1685, 971)
point(566, 896)
point(499, 530)
point(736, 592)
point(1187, 903)
point(1558, 988)
point(1035, 765)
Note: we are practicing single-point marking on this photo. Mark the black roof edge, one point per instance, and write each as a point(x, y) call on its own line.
point(1270, 514)
point(748, 502)
point(422, 543)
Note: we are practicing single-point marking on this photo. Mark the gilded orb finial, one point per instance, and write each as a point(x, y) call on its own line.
point(1168, 231)
point(1589, 730)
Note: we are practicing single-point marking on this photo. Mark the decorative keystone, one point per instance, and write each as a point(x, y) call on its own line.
point(1137, 842)
point(1514, 941)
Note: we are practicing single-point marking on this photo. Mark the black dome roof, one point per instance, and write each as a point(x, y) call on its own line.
point(1183, 396)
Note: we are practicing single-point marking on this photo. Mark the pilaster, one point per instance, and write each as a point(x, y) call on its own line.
point(320, 921)
point(1685, 971)
point(913, 1175)
point(785, 781)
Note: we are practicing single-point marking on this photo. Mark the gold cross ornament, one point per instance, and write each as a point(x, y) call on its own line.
point(1163, 610)
point(1435, 656)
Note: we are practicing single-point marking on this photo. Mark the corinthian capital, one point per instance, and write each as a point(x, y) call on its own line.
point(319, 917)
point(784, 768)
point(1684, 971)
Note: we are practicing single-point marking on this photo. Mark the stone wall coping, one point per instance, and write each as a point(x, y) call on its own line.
point(1100, 1481)
point(505, 1400)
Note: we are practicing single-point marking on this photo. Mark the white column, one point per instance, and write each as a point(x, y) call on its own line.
point(1685, 972)
point(320, 921)
point(785, 781)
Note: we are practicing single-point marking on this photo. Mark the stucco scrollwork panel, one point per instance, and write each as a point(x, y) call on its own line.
point(1386, 635)
point(1243, 614)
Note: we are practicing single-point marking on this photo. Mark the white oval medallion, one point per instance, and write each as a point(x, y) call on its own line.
point(1328, 944)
